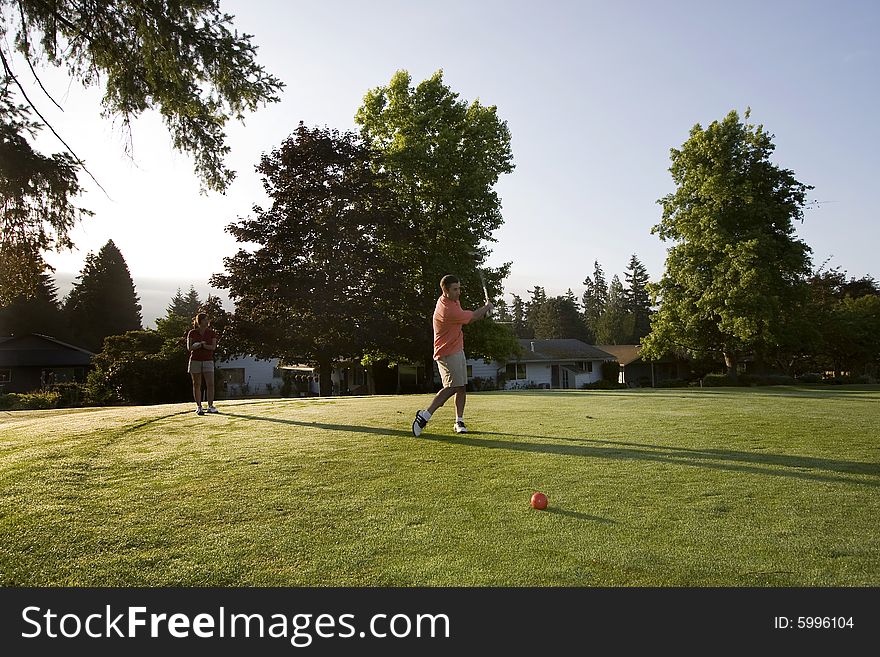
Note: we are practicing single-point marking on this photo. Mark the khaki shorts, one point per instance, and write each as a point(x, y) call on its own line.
point(200, 367)
point(453, 370)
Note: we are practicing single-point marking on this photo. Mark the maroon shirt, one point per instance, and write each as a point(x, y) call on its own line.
point(208, 336)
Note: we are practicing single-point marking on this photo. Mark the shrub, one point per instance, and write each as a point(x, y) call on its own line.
point(602, 384)
point(719, 380)
point(479, 383)
point(70, 394)
point(765, 380)
point(29, 400)
point(810, 377)
point(671, 383)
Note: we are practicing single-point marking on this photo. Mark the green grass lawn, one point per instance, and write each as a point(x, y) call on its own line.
point(729, 487)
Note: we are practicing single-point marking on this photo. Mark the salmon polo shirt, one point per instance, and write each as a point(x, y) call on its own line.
point(448, 320)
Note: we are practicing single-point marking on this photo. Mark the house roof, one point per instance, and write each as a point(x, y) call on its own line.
point(35, 350)
point(550, 350)
point(624, 353)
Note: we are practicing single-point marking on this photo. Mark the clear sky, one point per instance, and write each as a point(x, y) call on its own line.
point(594, 93)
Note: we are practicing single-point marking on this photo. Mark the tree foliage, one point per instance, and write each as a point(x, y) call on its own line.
point(104, 301)
point(594, 300)
point(442, 157)
point(617, 323)
point(638, 299)
point(320, 284)
point(558, 318)
point(179, 316)
point(40, 313)
point(139, 367)
point(181, 58)
point(735, 268)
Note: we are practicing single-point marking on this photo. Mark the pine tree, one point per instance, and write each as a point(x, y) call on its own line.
point(179, 314)
point(185, 305)
point(638, 299)
point(533, 307)
point(615, 326)
point(594, 300)
point(104, 301)
point(40, 313)
point(520, 325)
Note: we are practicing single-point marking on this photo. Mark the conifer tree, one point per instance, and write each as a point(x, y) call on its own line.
point(104, 301)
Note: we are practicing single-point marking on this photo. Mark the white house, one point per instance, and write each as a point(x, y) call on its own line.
point(545, 364)
point(248, 376)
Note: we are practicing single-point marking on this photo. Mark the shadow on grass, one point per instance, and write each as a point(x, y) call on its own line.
point(327, 427)
point(714, 459)
point(692, 393)
point(579, 516)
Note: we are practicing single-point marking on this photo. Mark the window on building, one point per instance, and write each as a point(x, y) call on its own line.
point(585, 366)
point(5, 376)
point(516, 371)
point(470, 371)
point(232, 375)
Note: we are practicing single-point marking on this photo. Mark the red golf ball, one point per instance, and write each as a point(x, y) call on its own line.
point(539, 501)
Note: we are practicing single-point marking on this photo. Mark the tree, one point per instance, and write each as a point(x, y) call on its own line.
point(185, 305)
point(594, 300)
point(38, 314)
point(638, 299)
point(139, 367)
point(735, 269)
point(442, 158)
point(559, 318)
point(179, 315)
point(616, 324)
point(853, 340)
point(178, 57)
point(533, 306)
point(520, 324)
point(837, 328)
point(319, 284)
point(104, 301)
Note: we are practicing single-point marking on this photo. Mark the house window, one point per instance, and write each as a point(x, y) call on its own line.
point(232, 375)
point(5, 376)
point(585, 366)
point(470, 371)
point(516, 371)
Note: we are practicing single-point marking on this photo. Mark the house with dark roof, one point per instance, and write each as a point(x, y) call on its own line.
point(638, 373)
point(545, 364)
point(31, 361)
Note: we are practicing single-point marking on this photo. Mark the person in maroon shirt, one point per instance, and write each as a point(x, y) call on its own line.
point(201, 342)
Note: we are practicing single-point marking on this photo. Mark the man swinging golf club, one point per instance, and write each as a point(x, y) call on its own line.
point(449, 352)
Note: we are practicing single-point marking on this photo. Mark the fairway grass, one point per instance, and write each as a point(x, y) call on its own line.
point(707, 487)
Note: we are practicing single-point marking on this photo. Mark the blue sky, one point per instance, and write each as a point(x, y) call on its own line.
point(595, 94)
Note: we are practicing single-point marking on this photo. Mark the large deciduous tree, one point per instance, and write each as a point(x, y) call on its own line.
point(181, 58)
point(443, 158)
point(104, 301)
point(318, 286)
point(735, 268)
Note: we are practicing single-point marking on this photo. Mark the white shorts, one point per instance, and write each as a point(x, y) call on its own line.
point(200, 367)
point(453, 370)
